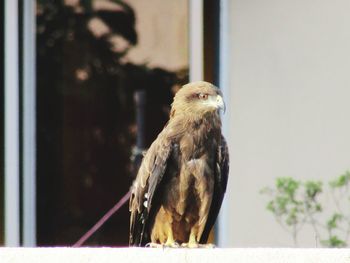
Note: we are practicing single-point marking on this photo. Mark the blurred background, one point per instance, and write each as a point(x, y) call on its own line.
point(72, 131)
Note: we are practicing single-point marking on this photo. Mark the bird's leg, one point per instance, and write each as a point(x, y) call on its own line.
point(193, 241)
point(170, 242)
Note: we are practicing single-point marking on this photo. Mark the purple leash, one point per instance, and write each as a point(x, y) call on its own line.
point(100, 222)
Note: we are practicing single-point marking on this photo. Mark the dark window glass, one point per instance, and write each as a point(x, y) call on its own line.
point(92, 56)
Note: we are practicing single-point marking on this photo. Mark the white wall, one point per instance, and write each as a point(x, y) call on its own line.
point(289, 108)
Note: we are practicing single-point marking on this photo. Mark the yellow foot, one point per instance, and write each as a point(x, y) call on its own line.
point(172, 244)
point(190, 245)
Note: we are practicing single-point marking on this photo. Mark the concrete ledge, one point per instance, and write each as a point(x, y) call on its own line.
point(140, 255)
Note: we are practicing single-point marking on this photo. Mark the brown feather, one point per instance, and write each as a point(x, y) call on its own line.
point(178, 182)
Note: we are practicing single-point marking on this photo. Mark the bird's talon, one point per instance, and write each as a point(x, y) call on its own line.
point(172, 245)
point(154, 245)
point(166, 245)
point(190, 245)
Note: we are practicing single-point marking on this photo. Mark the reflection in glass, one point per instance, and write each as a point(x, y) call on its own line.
point(86, 80)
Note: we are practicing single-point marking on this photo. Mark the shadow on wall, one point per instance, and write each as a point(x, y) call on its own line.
point(86, 117)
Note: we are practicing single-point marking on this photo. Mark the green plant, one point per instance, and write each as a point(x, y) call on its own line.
point(295, 204)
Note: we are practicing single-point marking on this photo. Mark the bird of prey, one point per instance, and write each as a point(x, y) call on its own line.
point(179, 188)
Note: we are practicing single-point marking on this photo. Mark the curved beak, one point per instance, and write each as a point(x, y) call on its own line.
point(220, 103)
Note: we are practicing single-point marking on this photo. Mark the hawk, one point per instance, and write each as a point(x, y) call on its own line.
point(179, 188)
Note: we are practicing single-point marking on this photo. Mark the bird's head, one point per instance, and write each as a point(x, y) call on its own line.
point(197, 98)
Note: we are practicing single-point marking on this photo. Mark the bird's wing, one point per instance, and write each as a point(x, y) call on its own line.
point(221, 178)
point(150, 175)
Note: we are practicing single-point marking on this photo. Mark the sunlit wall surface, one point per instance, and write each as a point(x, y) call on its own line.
point(289, 109)
point(91, 58)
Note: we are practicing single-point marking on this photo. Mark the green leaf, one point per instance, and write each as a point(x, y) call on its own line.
point(334, 241)
point(292, 217)
point(282, 203)
point(271, 206)
point(287, 185)
point(332, 223)
point(341, 181)
point(318, 208)
point(313, 188)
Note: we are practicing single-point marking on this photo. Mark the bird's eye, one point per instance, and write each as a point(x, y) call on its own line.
point(203, 96)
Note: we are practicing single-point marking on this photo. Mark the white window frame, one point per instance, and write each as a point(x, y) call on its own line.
point(196, 52)
point(11, 123)
point(224, 239)
point(196, 69)
point(29, 123)
point(19, 230)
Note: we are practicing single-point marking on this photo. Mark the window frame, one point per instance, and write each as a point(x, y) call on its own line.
point(11, 125)
point(19, 123)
